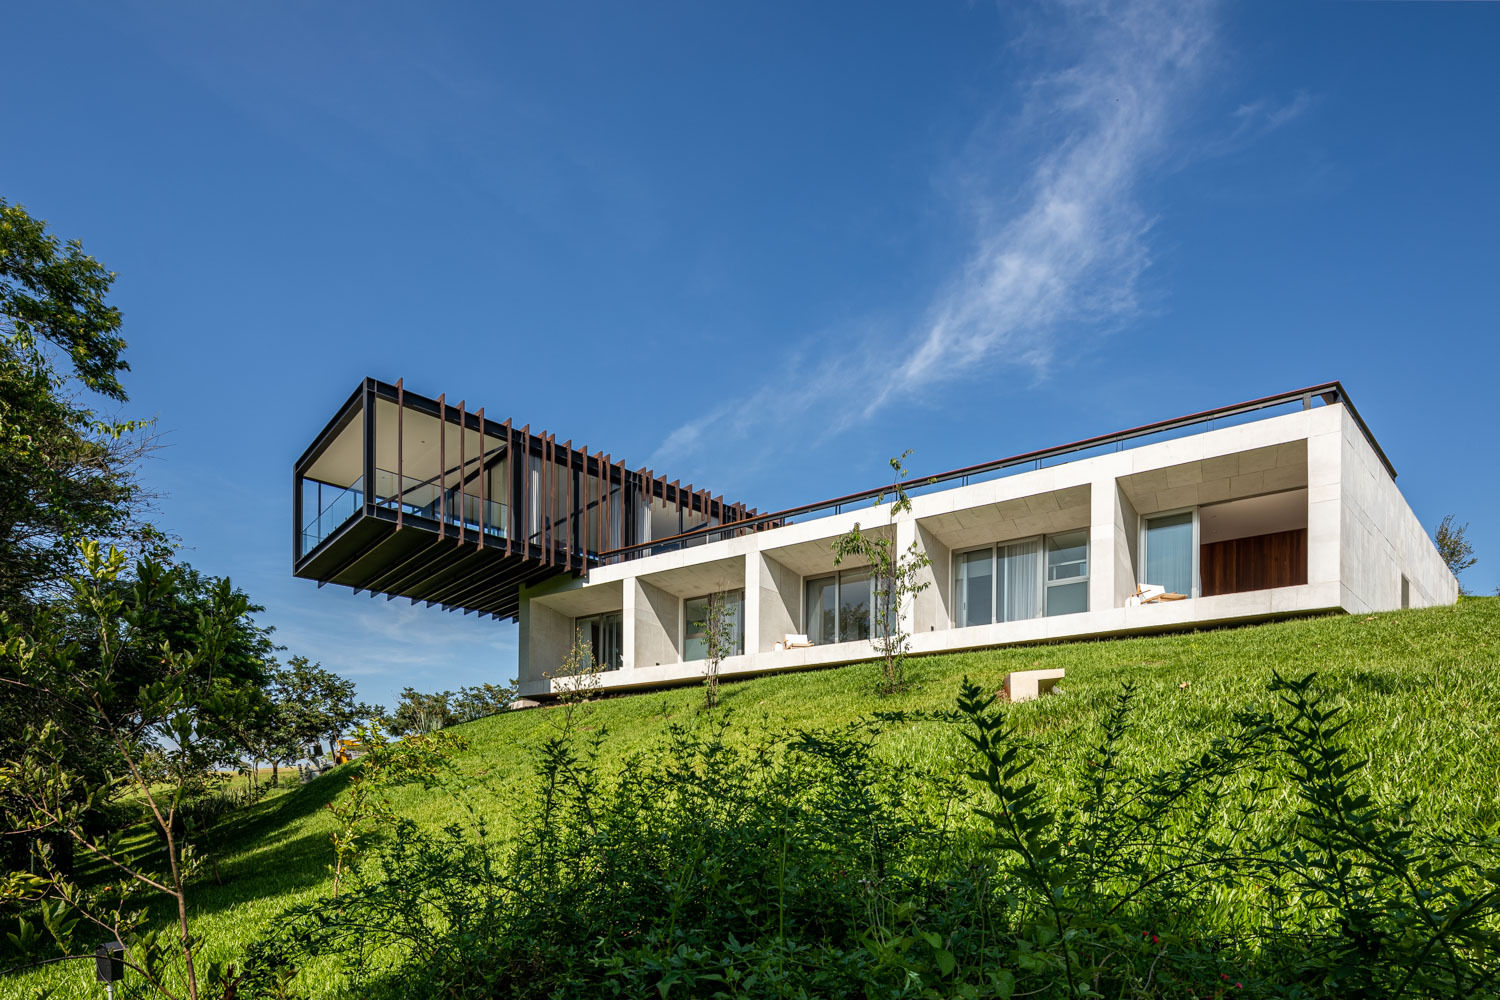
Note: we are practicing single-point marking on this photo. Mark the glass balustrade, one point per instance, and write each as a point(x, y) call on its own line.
point(333, 506)
point(424, 498)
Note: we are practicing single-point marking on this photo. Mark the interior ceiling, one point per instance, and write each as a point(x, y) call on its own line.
point(1253, 516)
point(342, 461)
point(704, 578)
point(1247, 473)
point(815, 558)
point(1039, 514)
point(419, 442)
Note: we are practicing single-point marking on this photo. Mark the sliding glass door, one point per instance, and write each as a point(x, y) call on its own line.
point(604, 635)
point(695, 613)
point(1006, 583)
point(840, 607)
point(974, 590)
point(1170, 546)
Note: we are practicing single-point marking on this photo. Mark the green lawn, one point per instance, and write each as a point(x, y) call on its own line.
point(1422, 690)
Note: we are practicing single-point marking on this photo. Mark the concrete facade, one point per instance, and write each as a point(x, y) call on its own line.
point(1314, 472)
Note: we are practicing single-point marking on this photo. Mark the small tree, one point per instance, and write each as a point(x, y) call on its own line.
point(577, 680)
point(717, 627)
point(1456, 550)
point(897, 577)
point(418, 758)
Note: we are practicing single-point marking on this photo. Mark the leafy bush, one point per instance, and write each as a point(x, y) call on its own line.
point(810, 866)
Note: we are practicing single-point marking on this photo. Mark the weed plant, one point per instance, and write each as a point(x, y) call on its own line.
point(807, 865)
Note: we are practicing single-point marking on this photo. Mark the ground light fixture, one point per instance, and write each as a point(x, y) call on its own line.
point(109, 965)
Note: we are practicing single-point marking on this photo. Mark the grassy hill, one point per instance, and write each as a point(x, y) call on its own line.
point(1421, 690)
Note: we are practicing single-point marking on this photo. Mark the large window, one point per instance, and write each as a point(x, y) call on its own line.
point(695, 629)
point(603, 635)
point(839, 607)
point(1006, 583)
point(1020, 567)
point(1067, 573)
point(1170, 546)
point(974, 588)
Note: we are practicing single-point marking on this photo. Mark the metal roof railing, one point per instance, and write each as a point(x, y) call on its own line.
point(1327, 393)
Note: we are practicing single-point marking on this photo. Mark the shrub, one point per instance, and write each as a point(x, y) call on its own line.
point(809, 865)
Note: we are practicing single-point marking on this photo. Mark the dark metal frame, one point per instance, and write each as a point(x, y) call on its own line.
point(456, 568)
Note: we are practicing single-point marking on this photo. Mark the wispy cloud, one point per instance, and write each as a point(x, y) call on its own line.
point(1060, 259)
point(1253, 121)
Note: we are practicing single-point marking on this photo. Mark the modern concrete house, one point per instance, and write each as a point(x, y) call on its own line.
point(1276, 507)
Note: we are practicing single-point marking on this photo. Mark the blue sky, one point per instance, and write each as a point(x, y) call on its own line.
point(763, 246)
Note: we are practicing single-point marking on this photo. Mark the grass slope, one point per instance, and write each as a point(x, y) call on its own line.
point(1421, 689)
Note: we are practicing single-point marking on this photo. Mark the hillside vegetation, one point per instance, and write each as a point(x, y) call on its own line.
point(1419, 691)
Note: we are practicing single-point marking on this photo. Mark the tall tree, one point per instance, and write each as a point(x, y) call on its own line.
point(65, 474)
point(319, 704)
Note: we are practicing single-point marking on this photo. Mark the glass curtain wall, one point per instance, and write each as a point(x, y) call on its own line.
point(1169, 552)
point(604, 636)
point(1067, 573)
point(695, 631)
point(839, 607)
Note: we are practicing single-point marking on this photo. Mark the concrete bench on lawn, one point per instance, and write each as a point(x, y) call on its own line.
point(1028, 685)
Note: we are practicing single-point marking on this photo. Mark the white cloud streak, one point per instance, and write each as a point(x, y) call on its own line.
point(1061, 257)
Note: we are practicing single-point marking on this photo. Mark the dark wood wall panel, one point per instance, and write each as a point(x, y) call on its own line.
point(1256, 563)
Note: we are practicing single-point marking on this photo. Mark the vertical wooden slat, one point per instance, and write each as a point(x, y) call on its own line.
point(548, 530)
point(588, 509)
point(567, 489)
point(526, 491)
point(442, 466)
point(463, 466)
point(483, 475)
point(624, 513)
point(400, 471)
point(510, 486)
point(604, 542)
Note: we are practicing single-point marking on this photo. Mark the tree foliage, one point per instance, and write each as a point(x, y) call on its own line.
point(121, 662)
point(65, 474)
point(1456, 550)
point(317, 706)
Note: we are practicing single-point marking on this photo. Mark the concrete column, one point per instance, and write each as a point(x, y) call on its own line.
point(928, 610)
point(1105, 538)
point(751, 623)
point(627, 626)
point(546, 636)
point(1127, 544)
point(932, 608)
point(656, 625)
point(1325, 503)
point(779, 593)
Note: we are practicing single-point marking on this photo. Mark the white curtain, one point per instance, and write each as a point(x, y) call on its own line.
point(1020, 580)
point(1169, 552)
